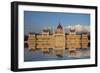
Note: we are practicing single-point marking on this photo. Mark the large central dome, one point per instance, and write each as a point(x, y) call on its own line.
point(59, 27)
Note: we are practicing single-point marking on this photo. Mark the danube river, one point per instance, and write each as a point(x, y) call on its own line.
point(39, 55)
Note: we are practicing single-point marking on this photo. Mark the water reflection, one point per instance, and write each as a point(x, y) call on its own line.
point(45, 54)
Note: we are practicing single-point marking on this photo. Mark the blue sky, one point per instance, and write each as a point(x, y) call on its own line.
point(36, 21)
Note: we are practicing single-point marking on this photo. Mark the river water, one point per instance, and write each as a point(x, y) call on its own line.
point(39, 55)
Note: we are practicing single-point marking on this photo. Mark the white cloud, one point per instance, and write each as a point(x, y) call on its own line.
point(78, 28)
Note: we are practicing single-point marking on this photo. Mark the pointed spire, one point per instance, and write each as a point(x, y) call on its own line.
point(59, 25)
point(59, 21)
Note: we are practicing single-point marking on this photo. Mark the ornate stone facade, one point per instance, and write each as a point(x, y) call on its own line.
point(58, 40)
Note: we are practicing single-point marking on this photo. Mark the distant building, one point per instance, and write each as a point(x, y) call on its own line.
point(58, 40)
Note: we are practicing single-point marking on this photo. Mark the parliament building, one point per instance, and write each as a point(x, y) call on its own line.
point(58, 40)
